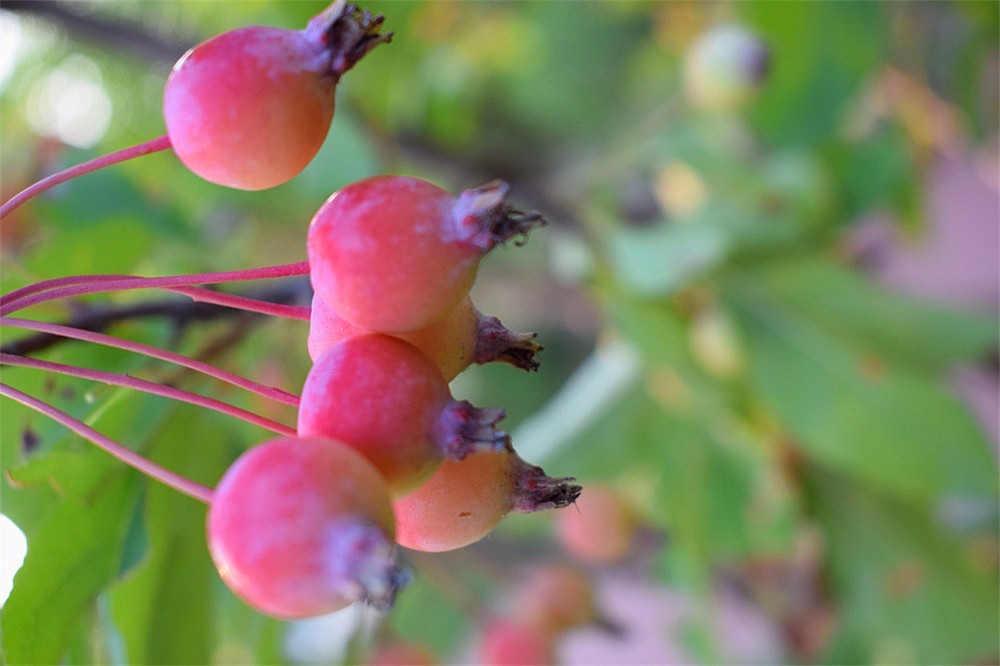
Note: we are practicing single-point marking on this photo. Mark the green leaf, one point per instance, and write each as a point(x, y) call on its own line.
point(877, 172)
point(421, 599)
point(164, 611)
point(892, 326)
point(71, 558)
point(661, 260)
point(88, 202)
point(568, 53)
point(908, 593)
point(894, 429)
point(822, 54)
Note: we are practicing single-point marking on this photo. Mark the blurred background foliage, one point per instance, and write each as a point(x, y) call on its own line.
point(718, 347)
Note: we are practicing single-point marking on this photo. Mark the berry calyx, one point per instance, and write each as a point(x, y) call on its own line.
point(464, 336)
point(304, 526)
point(496, 342)
point(486, 220)
point(347, 32)
point(395, 254)
point(383, 397)
point(251, 107)
point(465, 500)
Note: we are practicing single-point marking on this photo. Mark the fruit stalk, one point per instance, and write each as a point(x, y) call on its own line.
point(151, 146)
point(129, 457)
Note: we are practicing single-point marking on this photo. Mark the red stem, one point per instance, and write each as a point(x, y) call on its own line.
point(154, 352)
point(126, 455)
point(243, 303)
point(151, 146)
point(116, 379)
point(49, 290)
point(45, 285)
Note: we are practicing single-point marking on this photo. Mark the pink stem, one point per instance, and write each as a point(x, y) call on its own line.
point(154, 352)
point(72, 286)
point(45, 285)
point(243, 303)
point(126, 455)
point(151, 146)
point(116, 379)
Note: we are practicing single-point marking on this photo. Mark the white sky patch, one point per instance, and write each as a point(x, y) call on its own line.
point(13, 548)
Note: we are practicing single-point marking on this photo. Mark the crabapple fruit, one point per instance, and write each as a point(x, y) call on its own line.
point(465, 499)
point(555, 597)
point(601, 530)
point(300, 527)
point(464, 336)
point(385, 398)
point(508, 642)
point(724, 67)
point(394, 254)
point(251, 107)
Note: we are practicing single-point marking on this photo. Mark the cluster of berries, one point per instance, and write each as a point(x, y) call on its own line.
point(379, 434)
point(308, 523)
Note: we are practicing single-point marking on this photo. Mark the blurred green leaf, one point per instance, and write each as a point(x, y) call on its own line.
point(894, 429)
point(164, 611)
point(73, 555)
point(582, 50)
point(659, 261)
point(822, 54)
point(90, 201)
point(910, 595)
point(425, 598)
point(895, 327)
point(877, 172)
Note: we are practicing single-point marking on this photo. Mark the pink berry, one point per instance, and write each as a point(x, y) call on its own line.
point(508, 642)
point(301, 527)
point(601, 530)
point(394, 254)
point(251, 107)
point(383, 397)
point(555, 597)
point(464, 336)
point(464, 500)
